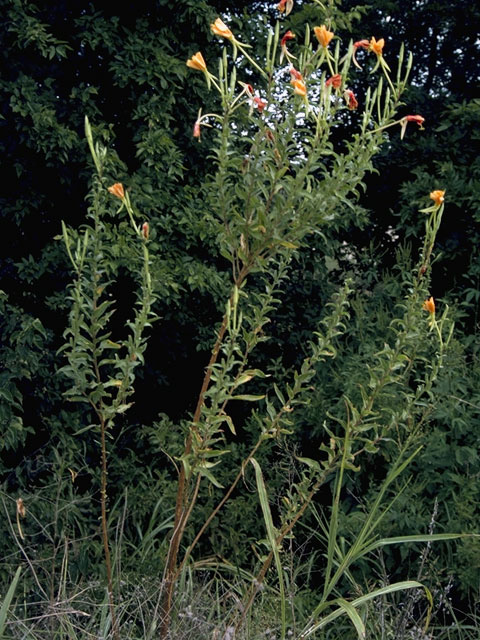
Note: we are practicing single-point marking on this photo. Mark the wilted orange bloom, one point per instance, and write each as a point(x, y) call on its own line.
point(323, 35)
point(438, 197)
point(296, 75)
point(349, 96)
point(22, 512)
point(429, 305)
point(196, 129)
point(197, 62)
point(117, 190)
point(299, 87)
point(259, 103)
point(219, 28)
point(335, 81)
point(377, 47)
point(285, 5)
point(145, 230)
point(288, 36)
point(363, 44)
point(418, 119)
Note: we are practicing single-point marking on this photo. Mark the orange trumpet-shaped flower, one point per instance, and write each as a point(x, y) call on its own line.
point(324, 36)
point(197, 62)
point(429, 305)
point(219, 28)
point(438, 196)
point(117, 190)
point(377, 46)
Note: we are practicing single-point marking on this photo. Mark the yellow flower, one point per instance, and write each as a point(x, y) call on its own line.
point(117, 190)
point(429, 305)
point(197, 62)
point(323, 35)
point(438, 197)
point(219, 28)
point(377, 47)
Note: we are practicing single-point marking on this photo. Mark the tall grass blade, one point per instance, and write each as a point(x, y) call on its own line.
point(7, 601)
point(272, 538)
point(391, 588)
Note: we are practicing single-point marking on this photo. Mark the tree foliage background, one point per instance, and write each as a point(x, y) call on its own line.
point(124, 66)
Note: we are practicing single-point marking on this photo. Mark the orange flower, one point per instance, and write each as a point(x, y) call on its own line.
point(352, 102)
point(438, 197)
point(285, 5)
point(335, 81)
point(196, 130)
point(117, 190)
point(197, 62)
point(323, 35)
point(377, 47)
point(145, 230)
point(429, 305)
point(219, 28)
point(300, 87)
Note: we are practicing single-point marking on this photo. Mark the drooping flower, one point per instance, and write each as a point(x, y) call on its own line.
point(438, 197)
point(289, 35)
point(429, 305)
point(350, 98)
point(377, 46)
point(197, 62)
point(404, 122)
point(22, 512)
point(219, 28)
point(360, 44)
point(196, 129)
point(418, 119)
point(145, 230)
point(335, 81)
point(285, 5)
point(299, 88)
point(117, 190)
point(259, 103)
point(324, 36)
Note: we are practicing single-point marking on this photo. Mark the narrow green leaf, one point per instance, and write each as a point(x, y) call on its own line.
point(7, 601)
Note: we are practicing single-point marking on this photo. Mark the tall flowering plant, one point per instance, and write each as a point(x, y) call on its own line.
point(278, 178)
